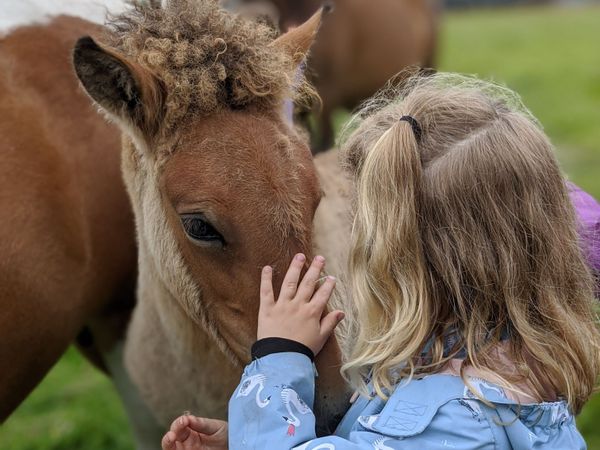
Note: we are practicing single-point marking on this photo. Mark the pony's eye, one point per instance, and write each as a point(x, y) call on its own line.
point(199, 229)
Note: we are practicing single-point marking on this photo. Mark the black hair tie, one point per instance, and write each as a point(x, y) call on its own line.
point(414, 125)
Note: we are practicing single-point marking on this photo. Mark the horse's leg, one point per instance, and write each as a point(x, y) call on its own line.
point(147, 432)
point(28, 354)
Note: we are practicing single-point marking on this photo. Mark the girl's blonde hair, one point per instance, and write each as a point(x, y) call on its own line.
point(468, 230)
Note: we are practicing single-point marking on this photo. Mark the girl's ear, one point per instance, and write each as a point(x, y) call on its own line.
point(297, 41)
point(128, 92)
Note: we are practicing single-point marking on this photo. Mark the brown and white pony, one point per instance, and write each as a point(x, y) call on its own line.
point(221, 184)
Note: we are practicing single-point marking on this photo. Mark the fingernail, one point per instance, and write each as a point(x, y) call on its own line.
point(341, 316)
point(329, 277)
point(319, 258)
point(267, 269)
point(300, 257)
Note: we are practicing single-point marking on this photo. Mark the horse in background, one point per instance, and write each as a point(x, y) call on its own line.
point(360, 45)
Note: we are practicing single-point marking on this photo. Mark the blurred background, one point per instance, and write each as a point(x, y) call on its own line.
point(548, 51)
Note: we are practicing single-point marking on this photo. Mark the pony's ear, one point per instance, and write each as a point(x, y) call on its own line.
point(125, 90)
point(297, 41)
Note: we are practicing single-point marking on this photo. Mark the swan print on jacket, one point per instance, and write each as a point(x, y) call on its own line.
point(291, 399)
point(318, 447)
point(248, 385)
point(379, 444)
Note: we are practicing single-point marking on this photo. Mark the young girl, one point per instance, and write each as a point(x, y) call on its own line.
point(474, 310)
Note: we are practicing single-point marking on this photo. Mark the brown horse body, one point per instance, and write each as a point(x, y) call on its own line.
point(68, 252)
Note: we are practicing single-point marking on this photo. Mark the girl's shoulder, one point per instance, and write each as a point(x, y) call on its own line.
point(441, 408)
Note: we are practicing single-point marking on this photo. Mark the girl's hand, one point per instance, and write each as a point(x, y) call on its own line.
point(196, 433)
point(298, 312)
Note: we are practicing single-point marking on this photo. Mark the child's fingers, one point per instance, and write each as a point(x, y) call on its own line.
point(192, 442)
point(290, 281)
point(205, 426)
point(309, 282)
point(321, 297)
point(179, 423)
point(330, 321)
point(267, 297)
point(180, 428)
point(168, 441)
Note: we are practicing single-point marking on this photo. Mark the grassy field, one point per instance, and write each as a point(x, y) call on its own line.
point(75, 407)
point(550, 56)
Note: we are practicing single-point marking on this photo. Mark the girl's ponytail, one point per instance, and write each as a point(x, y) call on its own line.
point(387, 258)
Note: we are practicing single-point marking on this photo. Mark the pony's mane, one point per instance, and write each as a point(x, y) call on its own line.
point(209, 59)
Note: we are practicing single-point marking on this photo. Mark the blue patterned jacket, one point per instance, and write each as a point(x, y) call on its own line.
point(271, 409)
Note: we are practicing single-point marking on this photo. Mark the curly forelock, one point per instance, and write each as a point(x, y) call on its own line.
point(207, 58)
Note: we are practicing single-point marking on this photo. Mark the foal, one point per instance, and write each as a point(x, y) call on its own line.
point(221, 184)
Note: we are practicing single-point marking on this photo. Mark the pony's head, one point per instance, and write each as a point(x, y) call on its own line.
point(220, 182)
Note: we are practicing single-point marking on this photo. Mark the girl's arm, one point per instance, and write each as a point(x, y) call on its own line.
point(272, 406)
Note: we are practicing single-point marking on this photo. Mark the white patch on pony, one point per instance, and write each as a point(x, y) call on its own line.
point(17, 13)
point(288, 103)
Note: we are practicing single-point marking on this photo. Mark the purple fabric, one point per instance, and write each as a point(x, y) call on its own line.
point(588, 214)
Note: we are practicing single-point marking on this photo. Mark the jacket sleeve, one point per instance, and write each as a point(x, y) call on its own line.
point(272, 408)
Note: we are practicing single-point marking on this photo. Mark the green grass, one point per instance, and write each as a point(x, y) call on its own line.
point(75, 407)
point(551, 56)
